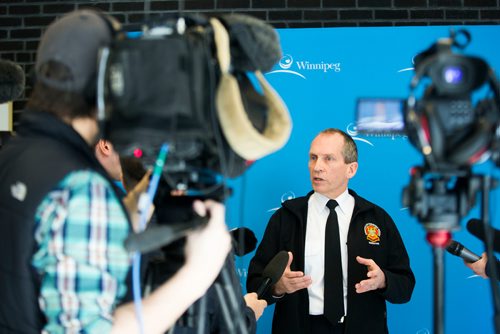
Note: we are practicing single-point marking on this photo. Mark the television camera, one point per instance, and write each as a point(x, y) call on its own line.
point(190, 82)
point(454, 122)
point(191, 88)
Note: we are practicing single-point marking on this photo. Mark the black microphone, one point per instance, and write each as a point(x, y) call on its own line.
point(243, 240)
point(476, 228)
point(272, 272)
point(254, 43)
point(12, 81)
point(458, 249)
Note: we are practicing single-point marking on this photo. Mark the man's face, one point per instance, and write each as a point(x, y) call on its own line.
point(329, 172)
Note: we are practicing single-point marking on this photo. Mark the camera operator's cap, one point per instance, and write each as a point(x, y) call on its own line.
point(238, 130)
point(74, 40)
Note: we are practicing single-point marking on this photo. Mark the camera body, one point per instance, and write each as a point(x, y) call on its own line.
point(451, 126)
point(184, 81)
point(157, 88)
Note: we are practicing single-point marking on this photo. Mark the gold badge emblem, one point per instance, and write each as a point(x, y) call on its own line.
point(372, 233)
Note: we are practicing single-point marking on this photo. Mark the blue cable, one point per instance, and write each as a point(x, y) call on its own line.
point(145, 207)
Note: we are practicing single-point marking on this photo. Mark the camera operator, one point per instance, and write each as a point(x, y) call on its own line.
point(62, 224)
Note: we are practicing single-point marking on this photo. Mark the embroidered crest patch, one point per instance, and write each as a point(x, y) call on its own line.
point(372, 233)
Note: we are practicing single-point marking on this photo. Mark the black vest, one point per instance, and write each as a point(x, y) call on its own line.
point(31, 164)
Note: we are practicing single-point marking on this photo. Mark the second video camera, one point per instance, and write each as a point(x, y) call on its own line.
point(453, 120)
point(447, 122)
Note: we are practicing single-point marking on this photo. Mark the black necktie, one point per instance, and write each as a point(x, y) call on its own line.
point(333, 289)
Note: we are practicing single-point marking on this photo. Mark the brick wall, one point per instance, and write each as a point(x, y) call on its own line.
point(22, 21)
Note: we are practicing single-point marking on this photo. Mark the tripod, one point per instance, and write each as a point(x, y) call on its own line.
point(439, 239)
point(221, 309)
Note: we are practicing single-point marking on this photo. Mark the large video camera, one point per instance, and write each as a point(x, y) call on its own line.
point(452, 117)
point(192, 82)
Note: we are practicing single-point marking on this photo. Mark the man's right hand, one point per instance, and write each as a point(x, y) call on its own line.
point(291, 281)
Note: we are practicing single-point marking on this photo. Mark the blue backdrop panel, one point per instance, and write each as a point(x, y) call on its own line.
point(321, 75)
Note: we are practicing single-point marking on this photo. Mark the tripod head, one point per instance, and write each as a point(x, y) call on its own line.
point(441, 199)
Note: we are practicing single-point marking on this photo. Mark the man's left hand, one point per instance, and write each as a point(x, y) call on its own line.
point(376, 277)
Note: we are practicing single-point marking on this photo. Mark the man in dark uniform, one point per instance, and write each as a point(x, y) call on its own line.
point(333, 286)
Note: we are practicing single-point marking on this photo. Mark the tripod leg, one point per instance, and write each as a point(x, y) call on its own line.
point(202, 314)
point(148, 282)
point(438, 290)
point(223, 305)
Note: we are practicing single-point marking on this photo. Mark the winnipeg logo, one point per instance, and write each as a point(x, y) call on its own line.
point(18, 190)
point(286, 62)
point(353, 132)
point(287, 65)
point(408, 68)
point(285, 197)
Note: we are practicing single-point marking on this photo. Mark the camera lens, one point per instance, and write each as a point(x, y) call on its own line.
point(453, 74)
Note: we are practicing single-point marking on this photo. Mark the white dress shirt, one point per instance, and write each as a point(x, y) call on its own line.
point(317, 215)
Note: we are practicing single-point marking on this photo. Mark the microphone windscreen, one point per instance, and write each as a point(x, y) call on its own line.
point(275, 268)
point(244, 240)
point(476, 228)
point(12, 80)
point(254, 43)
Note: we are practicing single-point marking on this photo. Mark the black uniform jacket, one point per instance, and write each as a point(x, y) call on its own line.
point(366, 312)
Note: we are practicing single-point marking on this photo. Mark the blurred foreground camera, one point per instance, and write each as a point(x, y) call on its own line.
point(451, 125)
point(449, 122)
point(194, 83)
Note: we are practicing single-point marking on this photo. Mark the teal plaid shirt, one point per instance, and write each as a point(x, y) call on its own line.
point(80, 230)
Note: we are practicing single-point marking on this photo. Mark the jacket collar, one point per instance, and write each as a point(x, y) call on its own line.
point(39, 124)
point(43, 124)
point(299, 205)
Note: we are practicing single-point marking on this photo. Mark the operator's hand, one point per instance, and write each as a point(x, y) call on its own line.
point(376, 277)
point(257, 305)
point(479, 267)
point(131, 201)
point(207, 247)
point(291, 281)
